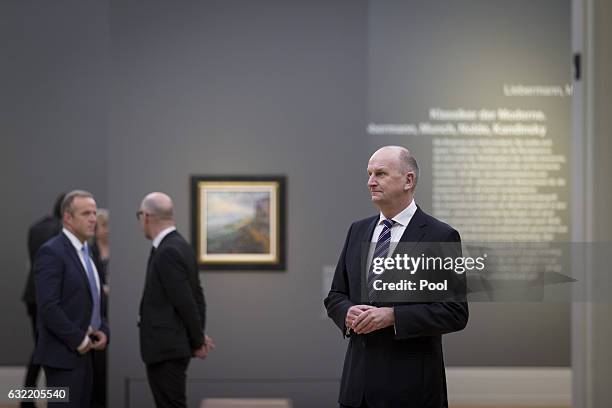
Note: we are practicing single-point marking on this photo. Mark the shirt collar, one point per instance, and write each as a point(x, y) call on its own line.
point(74, 240)
point(404, 217)
point(162, 234)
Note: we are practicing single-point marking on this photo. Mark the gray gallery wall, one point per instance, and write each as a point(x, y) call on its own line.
point(53, 118)
point(462, 60)
point(600, 102)
point(230, 87)
point(277, 87)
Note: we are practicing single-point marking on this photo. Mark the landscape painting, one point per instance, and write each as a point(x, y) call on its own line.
point(239, 222)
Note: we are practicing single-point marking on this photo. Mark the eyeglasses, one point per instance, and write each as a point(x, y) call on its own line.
point(140, 213)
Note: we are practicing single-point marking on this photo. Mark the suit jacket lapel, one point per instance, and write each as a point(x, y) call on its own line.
point(147, 277)
point(413, 234)
point(148, 274)
point(415, 230)
point(366, 242)
point(151, 255)
point(367, 238)
point(77, 261)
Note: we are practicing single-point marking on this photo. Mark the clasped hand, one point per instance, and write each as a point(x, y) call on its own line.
point(363, 319)
point(97, 341)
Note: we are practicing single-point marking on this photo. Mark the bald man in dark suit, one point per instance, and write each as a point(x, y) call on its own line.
point(394, 357)
point(172, 309)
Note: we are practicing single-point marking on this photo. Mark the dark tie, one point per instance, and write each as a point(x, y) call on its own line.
point(381, 251)
point(150, 256)
point(93, 288)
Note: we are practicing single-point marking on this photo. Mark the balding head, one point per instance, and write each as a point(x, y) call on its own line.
point(392, 176)
point(156, 213)
point(159, 205)
point(400, 157)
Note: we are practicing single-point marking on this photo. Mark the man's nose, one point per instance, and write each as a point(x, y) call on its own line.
point(371, 181)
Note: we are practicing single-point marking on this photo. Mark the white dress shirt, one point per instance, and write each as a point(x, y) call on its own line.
point(162, 234)
point(78, 245)
point(397, 230)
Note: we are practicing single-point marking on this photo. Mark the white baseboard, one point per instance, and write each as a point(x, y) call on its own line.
point(533, 386)
point(519, 386)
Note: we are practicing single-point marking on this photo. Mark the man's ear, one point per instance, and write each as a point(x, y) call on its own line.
point(409, 181)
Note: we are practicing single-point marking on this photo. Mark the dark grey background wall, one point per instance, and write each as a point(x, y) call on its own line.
point(53, 116)
point(601, 105)
point(230, 87)
point(448, 54)
point(277, 87)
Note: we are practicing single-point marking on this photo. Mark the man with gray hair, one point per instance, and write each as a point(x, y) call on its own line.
point(69, 301)
point(394, 357)
point(172, 309)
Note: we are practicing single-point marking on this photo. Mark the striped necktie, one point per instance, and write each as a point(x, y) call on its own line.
point(381, 251)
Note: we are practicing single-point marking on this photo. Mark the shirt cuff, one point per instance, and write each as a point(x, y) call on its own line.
point(84, 344)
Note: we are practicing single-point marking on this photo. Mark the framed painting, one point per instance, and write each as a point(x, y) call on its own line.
point(238, 222)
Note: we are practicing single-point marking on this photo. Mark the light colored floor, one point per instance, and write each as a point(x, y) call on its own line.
point(16, 405)
point(451, 406)
point(504, 406)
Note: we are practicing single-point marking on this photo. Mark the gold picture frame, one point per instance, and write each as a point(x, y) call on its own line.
point(238, 222)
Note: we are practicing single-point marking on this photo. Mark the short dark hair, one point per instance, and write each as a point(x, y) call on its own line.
point(69, 198)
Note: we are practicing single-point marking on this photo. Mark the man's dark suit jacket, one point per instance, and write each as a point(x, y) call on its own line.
point(172, 310)
point(401, 366)
point(64, 304)
point(39, 233)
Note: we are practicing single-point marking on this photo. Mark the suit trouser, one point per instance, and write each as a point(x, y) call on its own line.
point(168, 382)
point(364, 404)
point(78, 380)
point(33, 369)
point(98, 392)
